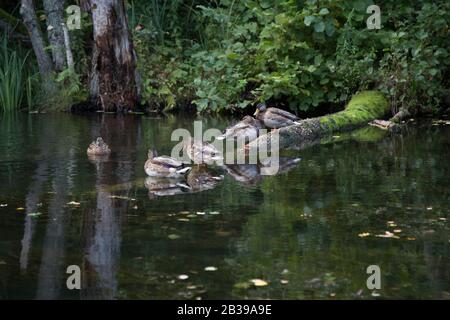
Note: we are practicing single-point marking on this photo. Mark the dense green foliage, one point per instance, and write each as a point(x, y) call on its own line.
point(309, 56)
point(300, 54)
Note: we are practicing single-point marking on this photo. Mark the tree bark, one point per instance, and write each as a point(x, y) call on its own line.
point(362, 108)
point(54, 10)
point(113, 82)
point(69, 55)
point(30, 20)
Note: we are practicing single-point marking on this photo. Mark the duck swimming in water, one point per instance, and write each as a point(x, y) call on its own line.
point(202, 152)
point(98, 148)
point(247, 128)
point(275, 118)
point(164, 166)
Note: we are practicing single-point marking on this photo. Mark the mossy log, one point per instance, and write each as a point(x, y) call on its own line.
point(362, 108)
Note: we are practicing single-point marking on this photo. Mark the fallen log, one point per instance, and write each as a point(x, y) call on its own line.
point(363, 108)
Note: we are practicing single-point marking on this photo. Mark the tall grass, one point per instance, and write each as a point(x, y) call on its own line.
point(15, 83)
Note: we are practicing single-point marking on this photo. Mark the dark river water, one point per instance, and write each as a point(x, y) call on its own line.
point(354, 200)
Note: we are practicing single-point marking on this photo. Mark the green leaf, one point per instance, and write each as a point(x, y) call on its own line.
point(308, 20)
point(329, 28)
point(324, 11)
point(319, 27)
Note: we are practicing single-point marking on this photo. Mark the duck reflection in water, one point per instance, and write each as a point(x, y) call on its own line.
point(251, 174)
point(162, 187)
point(198, 179)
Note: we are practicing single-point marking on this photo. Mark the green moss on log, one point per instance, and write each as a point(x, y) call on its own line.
point(362, 108)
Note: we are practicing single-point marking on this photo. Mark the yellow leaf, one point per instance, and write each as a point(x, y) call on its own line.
point(259, 282)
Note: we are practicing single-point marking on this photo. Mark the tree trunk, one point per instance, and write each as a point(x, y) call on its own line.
point(362, 108)
point(31, 23)
point(54, 10)
point(113, 82)
point(69, 55)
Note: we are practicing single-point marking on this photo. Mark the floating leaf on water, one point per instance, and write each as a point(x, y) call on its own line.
point(397, 230)
point(34, 214)
point(210, 268)
point(443, 219)
point(2, 205)
point(392, 224)
point(242, 285)
point(183, 220)
point(387, 234)
point(173, 236)
point(201, 213)
point(410, 238)
point(336, 137)
point(355, 204)
point(429, 208)
point(285, 271)
point(191, 287)
point(283, 281)
point(214, 212)
point(2, 263)
point(184, 212)
point(135, 207)
point(259, 282)
point(364, 234)
point(73, 203)
point(183, 277)
point(191, 216)
point(120, 197)
point(375, 294)
point(20, 209)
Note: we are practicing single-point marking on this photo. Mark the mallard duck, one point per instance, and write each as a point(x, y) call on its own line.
point(162, 187)
point(200, 179)
point(274, 118)
point(247, 174)
point(98, 148)
point(202, 152)
point(164, 166)
point(248, 127)
point(284, 165)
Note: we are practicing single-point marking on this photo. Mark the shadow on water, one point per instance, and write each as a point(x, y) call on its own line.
point(353, 200)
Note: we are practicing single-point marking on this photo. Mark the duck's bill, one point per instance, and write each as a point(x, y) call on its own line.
point(256, 113)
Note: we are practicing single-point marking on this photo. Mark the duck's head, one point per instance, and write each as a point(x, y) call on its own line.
point(99, 141)
point(152, 153)
point(261, 107)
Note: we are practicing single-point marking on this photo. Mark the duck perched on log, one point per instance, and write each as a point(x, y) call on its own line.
point(164, 166)
point(98, 148)
point(202, 152)
point(274, 118)
point(248, 127)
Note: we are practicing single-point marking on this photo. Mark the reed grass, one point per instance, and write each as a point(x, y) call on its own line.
point(15, 82)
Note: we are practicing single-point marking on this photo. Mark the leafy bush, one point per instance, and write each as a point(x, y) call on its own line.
point(298, 54)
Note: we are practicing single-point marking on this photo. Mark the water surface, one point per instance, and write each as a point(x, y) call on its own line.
point(354, 200)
